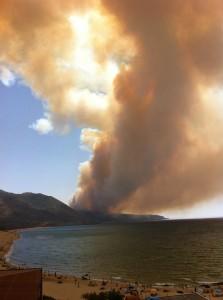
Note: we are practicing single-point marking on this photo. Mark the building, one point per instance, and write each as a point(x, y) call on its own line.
point(21, 284)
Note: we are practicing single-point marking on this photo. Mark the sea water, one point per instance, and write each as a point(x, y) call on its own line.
point(166, 251)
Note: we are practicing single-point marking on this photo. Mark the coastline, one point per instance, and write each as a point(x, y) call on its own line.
point(55, 285)
point(63, 287)
point(7, 239)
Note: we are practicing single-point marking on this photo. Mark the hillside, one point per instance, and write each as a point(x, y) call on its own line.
point(30, 210)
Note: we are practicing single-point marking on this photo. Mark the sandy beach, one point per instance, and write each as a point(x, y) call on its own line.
point(70, 289)
point(6, 240)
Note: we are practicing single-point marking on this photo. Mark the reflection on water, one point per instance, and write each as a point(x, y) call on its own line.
point(152, 252)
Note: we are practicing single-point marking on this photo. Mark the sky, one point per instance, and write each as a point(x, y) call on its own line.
point(48, 164)
point(31, 162)
point(114, 106)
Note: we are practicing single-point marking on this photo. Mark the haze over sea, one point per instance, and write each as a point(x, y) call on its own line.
point(166, 251)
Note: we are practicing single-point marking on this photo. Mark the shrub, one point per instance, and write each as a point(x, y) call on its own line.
point(48, 298)
point(112, 295)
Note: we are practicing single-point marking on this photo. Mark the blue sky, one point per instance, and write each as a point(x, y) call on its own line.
point(30, 161)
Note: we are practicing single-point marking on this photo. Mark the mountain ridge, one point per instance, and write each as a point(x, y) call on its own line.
point(36, 209)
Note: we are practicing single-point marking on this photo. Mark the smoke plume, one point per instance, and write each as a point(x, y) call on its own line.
point(144, 81)
point(165, 147)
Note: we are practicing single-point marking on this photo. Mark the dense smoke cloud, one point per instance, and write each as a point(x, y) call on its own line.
point(49, 46)
point(144, 77)
point(165, 150)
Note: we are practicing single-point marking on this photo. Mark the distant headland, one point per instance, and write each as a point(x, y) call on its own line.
point(32, 210)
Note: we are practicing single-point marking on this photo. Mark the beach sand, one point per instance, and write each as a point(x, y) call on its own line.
point(6, 240)
point(72, 288)
point(68, 290)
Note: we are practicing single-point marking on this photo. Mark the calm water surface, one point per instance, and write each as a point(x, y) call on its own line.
point(167, 251)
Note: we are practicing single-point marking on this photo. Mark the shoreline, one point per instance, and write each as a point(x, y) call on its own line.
point(7, 239)
point(63, 287)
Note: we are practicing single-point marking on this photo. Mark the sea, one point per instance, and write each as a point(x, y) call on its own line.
point(154, 252)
